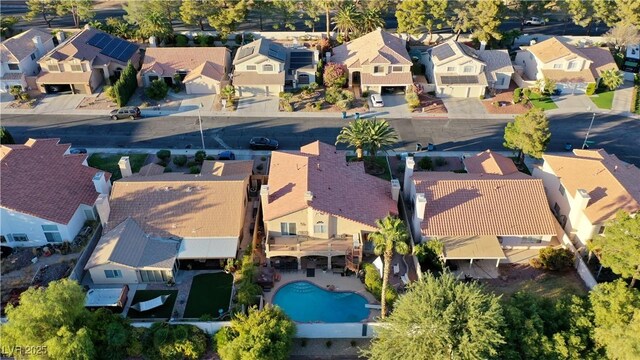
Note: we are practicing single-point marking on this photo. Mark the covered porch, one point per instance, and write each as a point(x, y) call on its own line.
point(474, 256)
point(337, 250)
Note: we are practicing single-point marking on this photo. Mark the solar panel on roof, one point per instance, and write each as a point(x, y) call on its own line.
point(119, 49)
point(103, 41)
point(276, 52)
point(464, 79)
point(99, 40)
point(300, 59)
point(442, 52)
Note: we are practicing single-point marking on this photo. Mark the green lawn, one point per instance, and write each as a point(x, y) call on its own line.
point(208, 294)
point(162, 312)
point(542, 101)
point(603, 100)
point(109, 162)
point(377, 166)
point(551, 285)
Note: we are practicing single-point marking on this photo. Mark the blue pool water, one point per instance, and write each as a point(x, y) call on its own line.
point(306, 302)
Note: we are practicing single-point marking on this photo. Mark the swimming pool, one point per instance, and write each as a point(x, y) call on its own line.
point(306, 302)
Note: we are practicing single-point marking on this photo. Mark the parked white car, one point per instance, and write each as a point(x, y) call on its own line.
point(534, 21)
point(376, 100)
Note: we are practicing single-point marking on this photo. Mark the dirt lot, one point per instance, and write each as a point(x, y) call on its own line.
point(518, 277)
point(503, 103)
point(430, 105)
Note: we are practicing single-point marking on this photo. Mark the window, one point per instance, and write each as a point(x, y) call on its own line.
point(557, 66)
point(51, 233)
point(251, 68)
point(561, 189)
point(154, 276)
point(20, 237)
point(396, 69)
point(153, 78)
point(451, 68)
point(531, 239)
point(89, 214)
point(33, 56)
point(13, 66)
point(267, 67)
point(572, 65)
point(319, 228)
point(601, 230)
point(556, 208)
point(468, 69)
point(53, 67)
point(303, 79)
point(288, 228)
point(502, 80)
point(378, 69)
point(76, 67)
point(113, 274)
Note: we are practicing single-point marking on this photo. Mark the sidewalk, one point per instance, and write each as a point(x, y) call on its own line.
point(622, 98)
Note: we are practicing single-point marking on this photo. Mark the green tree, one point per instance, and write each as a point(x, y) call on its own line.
point(263, 334)
point(194, 12)
point(354, 135)
point(621, 36)
point(582, 13)
point(47, 9)
point(462, 16)
point(228, 91)
point(370, 19)
point(226, 15)
point(528, 134)
point(150, 17)
point(619, 248)
point(80, 10)
point(327, 6)
point(443, 318)
point(392, 236)
point(486, 20)
point(411, 16)
point(285, 13)
point(524, 9)
point(617, 319)
point(6, 25)
point(313, 10)
point(605, 11)
point(628, 12)
point(380, 136)
point(436, 15)
point(51, 317)
point(612, 79)
point(5, 136)
point(347, 21)
point(118, 27)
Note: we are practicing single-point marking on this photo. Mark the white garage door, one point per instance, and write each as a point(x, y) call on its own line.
point(200, 86)
point(571, 88)
point(248, 91)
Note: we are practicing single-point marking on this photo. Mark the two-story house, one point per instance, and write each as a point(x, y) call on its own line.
point(201, 70)
point(159, 222)
point(586, 189)
point(377, 62)
point(47, 193)
point(458, 70)
point(492, 213)
point(19, 57)
point(264, 67)
point(572, 68)
point(85, 61)
point(317, 204)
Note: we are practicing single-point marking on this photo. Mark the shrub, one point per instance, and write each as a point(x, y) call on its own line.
point(182, 40)
point(259, 167)
point(319, 72)
point(517, 95)
point(238, 39)
point(333, 95)
point(591, 89)
point(200, 156)
point(527, 93)
point(162, 163)
point(194, 169)
point(353, 343)
point(440, 161)
point(426, 163)
point(366, 94)
point(126, 85)
point(373, 283)
point(165, 341)
point(413, 100)
point(553, 259)
point(428, 255)
point(335, 75)
point(191, 163)
point(24, 96)
point(328, 343)
point(348, 95)
point(401, 168)
point(167, 169)
point(263, 158)
point(287, 107)
point(180, 160)
point(343, 105)
point(481, 97)
point(209, 157)
point(163, 154)
point(157, 90)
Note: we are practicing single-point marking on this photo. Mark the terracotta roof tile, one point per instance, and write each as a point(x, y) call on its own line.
point(242, 168)
point(339, 188)
point(476, 204)
point(401, 78)
point(40, 180)
point(253, 78)
point(22, 45)
point(552, 49)
point(77, 47)
point(207, 61)
point(488, 162)
point(376, 47)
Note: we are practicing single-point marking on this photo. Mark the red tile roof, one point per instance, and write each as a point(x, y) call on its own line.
point(478, 204)
point(38, 179)
point(488, 162)
point(339, 188)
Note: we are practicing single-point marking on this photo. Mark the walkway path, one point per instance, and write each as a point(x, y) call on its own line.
point(622, 98)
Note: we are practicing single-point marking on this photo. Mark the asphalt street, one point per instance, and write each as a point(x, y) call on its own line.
point(618, 135)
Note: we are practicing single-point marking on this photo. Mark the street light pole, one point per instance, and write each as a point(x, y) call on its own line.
point(584, 145)
point(200, 122)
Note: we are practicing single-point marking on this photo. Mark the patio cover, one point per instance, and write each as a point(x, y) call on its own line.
point(213, 248)
point(472, 247)
point(150, 304)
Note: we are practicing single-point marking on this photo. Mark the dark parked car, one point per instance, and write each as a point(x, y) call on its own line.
point(130, 112)
point(78, 151)
point(263, 143)
point(226, 155)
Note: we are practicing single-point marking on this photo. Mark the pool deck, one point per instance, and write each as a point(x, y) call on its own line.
point(323, 279)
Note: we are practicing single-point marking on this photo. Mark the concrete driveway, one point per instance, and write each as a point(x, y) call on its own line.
point(573, 103)
point(464, 107)
point(395, 107)
point(258, 106)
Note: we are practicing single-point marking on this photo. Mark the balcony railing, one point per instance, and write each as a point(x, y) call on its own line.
point(301, 243)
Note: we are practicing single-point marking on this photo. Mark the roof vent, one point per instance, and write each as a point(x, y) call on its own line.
point(308, 196)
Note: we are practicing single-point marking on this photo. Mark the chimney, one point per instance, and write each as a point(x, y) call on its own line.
point(101, 183)
point(37, 40)
point(408, 173)
point(582, 199)
point(103, 208)
point(395, 189)
point(153, 41)
point(60, 36)
point(308, 196)
point(421, 205)
point(87, 27)
point(483, 45)
point(125, 166)
point(264, 194)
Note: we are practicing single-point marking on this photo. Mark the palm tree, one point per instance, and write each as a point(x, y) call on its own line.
point(380, 136)
point(391, 235)
point(612, 79)
point(354, 135)
point(346, 21)
point(370, 19)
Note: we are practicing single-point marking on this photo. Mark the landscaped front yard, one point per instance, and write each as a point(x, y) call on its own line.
point(603, 100)
point(542, 101)
point(161, 312)
point(109, 162)
point(209, 293)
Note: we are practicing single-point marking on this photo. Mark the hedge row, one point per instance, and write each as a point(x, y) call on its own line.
point(124, 87)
